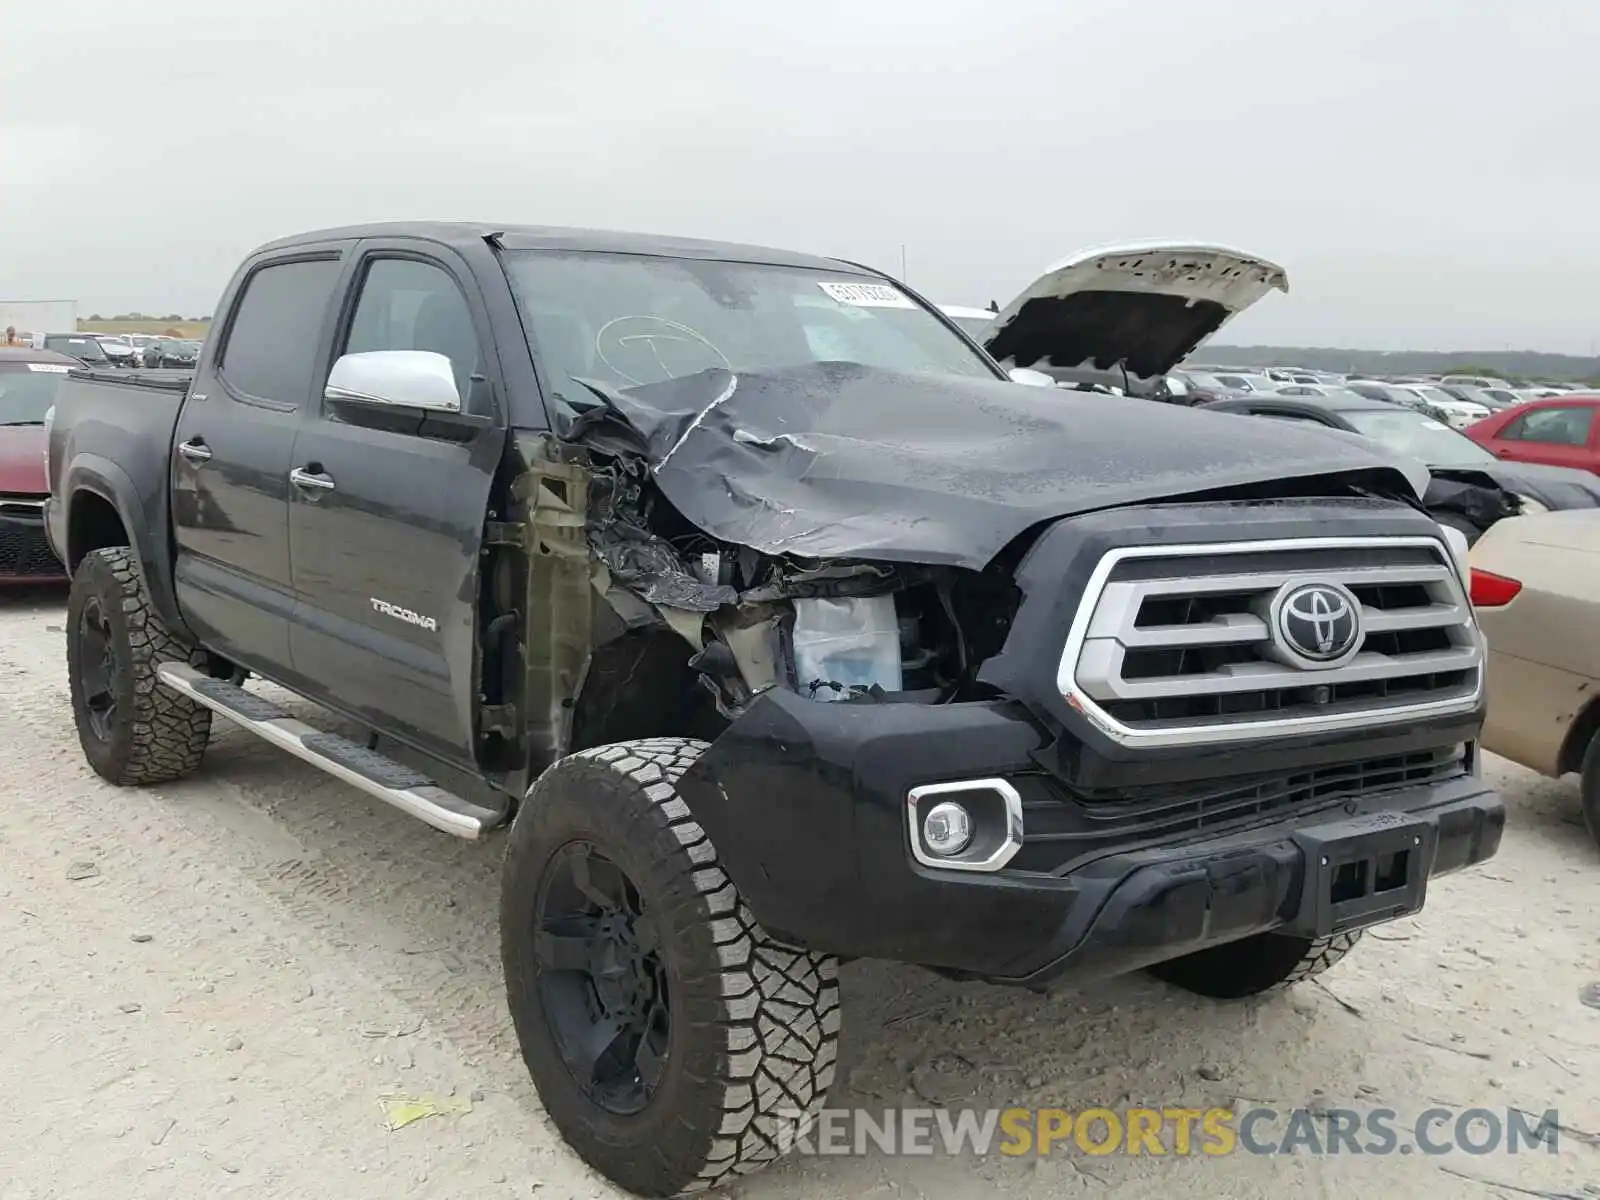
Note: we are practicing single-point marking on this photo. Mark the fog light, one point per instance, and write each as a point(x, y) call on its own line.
point(947, 829)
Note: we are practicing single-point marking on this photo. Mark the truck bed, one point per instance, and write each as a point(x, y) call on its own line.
point(112, 435)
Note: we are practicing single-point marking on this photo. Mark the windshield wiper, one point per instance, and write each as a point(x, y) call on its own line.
point(5, 424)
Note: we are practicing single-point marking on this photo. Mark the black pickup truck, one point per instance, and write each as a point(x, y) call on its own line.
point(781, 627)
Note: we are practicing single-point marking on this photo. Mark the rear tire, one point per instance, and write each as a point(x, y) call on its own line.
point(1255, 964)
point(133, 730)
point(1589, 789)
point(707, 1040)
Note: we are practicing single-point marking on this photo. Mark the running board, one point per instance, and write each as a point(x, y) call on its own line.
point(408, 790)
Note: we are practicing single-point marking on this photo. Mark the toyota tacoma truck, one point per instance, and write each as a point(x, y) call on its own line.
point(779, 627)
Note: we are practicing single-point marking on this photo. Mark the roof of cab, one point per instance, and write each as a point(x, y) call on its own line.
point(552, 237)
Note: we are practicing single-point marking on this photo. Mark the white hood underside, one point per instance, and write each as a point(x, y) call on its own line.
point(1143, 305)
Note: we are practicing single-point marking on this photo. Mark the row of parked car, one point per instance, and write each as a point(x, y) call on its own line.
point(147, 350)
point(1458, 399)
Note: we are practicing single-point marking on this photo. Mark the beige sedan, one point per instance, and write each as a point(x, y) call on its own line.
point(1536, 588)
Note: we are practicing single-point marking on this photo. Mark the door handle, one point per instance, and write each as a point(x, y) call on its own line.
point(313, 481)
point(195, 450)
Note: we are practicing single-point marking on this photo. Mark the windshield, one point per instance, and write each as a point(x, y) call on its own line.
point(1435, 395)
point(1248, 383)
point(973, 327)
point(27, 390)
point(1419, 436)
point(629, 320)
point(85, 348)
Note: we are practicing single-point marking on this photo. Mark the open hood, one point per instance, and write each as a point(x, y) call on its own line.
point(1144, 306)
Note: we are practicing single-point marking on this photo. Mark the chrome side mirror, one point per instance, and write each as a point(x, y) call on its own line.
point(417, 379)
point(1030, 377)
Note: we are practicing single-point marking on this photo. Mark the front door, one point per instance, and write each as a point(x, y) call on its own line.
point(1559, 435)
point(386, 523)
point(230, 461)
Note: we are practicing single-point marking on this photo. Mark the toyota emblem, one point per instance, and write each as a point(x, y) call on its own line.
point(1319, 623)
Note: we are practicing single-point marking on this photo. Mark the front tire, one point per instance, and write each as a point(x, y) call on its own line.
point(673, 1042)
point(133, 730)
point(1252, 965)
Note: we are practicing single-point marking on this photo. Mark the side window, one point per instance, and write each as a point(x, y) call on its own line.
point(1553, 426)
point(408, 305)
point(271, 351)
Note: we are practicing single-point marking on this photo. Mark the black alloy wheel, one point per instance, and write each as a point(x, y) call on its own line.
point(602, 981)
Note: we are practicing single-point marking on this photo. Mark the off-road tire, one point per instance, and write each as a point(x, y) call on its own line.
point(1589, 788)
point(754, 1024)
point(157, 735)
point(1252, 965)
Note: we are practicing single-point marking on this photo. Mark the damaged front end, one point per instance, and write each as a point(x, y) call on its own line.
point(862, 589)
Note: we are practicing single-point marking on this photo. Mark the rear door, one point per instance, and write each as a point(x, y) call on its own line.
point(1560, 435)
point(386, 523)
point(230, 457)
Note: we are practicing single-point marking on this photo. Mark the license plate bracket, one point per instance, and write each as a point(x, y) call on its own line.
point(1363, 872)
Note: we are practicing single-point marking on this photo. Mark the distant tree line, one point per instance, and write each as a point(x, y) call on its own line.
point(139, 316)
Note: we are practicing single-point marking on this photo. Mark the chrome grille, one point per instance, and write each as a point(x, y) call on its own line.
point(1178, 645)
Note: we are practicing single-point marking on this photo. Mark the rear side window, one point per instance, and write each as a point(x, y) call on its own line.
point(271, 350)
point(1552, 426)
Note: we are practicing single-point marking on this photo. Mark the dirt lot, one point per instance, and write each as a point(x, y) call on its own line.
point(212, 988)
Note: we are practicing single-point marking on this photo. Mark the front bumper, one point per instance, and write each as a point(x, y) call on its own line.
point(807, 805)
point(25, 553)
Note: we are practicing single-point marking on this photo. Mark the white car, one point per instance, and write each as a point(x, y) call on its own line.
point(1111, 315)
point(118, 349)
point(1475, 381)
point(1458, 414)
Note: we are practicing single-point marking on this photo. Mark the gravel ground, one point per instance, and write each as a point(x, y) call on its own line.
point(215, 987)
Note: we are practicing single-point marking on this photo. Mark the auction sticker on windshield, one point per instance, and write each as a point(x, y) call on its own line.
point(866, 295)
point(50, 368)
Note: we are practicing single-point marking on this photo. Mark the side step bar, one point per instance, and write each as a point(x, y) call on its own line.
point(374, 774)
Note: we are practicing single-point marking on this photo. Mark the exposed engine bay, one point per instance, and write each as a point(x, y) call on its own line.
point(830, 630)
point(851, 534)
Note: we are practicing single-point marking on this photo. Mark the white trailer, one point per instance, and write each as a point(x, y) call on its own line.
point(38, 316)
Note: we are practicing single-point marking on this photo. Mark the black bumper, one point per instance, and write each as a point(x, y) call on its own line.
point(25, 552)
point(807, 804)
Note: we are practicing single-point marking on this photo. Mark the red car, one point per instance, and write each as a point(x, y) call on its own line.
point(1559, 432)
point(29, 380)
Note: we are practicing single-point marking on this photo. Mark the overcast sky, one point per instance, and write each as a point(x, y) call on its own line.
point(1425, 169)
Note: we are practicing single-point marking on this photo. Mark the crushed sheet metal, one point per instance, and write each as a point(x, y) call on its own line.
point(929, 468)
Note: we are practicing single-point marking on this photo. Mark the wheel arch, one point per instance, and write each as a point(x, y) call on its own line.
point(640, 685)
point(1576, 742)
point(103, 508)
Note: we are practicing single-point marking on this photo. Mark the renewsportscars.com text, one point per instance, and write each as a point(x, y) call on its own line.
point(1210, 1132)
